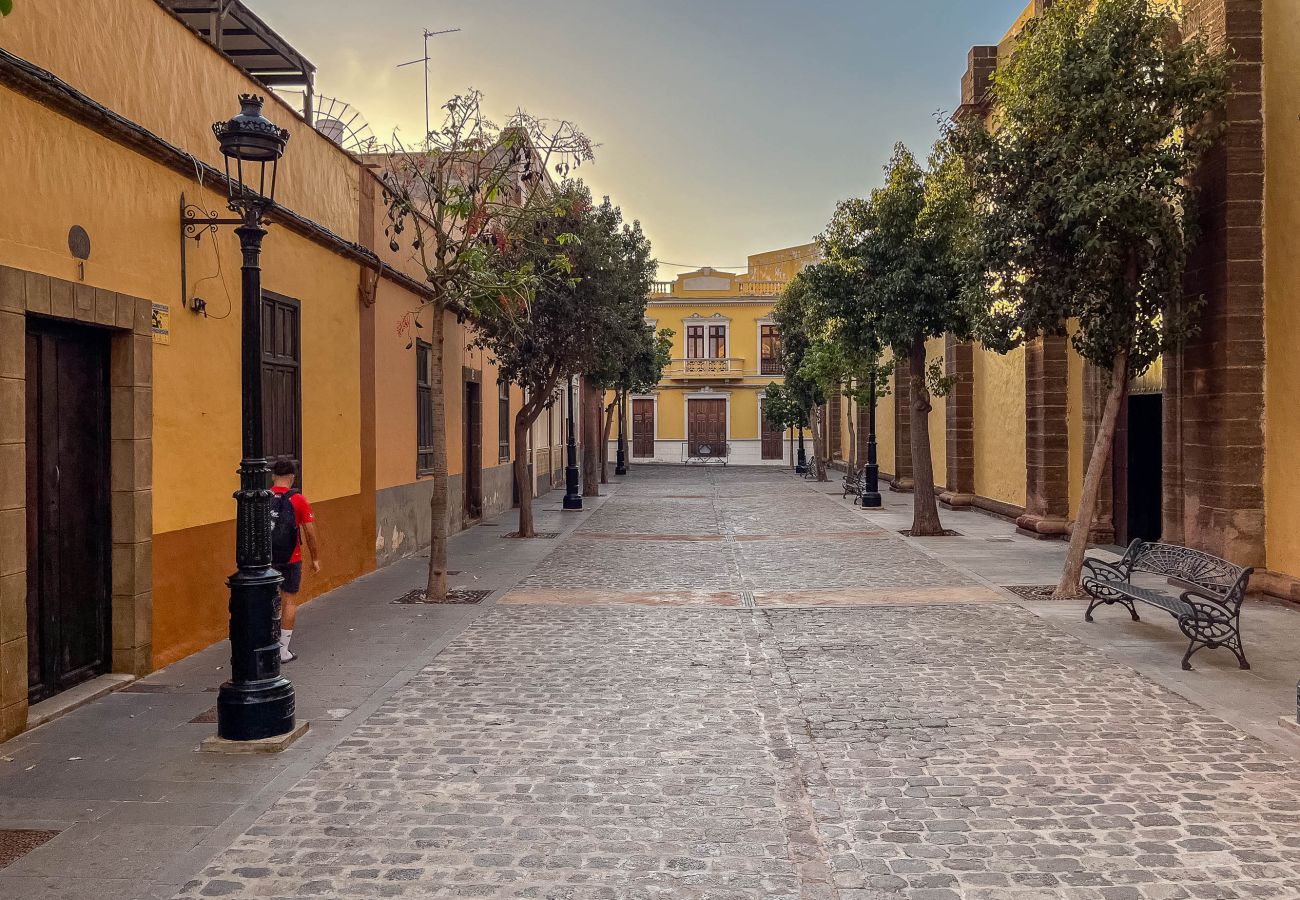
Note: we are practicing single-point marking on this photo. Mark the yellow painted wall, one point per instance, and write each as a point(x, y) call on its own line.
point(138, 60)
point(1282, 284)
point(782, 265)
point(196, 377)
point(938, 419)
point(885, 433)
point(999, 422)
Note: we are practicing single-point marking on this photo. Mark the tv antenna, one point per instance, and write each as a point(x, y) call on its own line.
point(425, 59)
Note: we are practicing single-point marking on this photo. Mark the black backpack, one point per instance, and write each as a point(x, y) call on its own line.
point(284, 528)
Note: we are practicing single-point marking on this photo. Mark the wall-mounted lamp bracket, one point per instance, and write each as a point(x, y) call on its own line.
point(194, 223)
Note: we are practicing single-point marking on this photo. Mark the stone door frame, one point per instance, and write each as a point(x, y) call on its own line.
point(129, 321)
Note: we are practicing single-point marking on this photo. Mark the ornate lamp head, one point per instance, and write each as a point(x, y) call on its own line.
point(253, 140)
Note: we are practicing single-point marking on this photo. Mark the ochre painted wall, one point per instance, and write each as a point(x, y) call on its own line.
point(938, 419)
point(885, 431)
point(140, 61)
point(196, 376)
point(1282, 284)
point(999, 423)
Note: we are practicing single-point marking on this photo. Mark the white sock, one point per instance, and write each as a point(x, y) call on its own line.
point(286, 634)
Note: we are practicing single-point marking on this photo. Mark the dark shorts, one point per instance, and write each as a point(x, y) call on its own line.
point(292, 573)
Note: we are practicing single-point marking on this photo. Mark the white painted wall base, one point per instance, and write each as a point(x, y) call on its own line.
point(743, 453)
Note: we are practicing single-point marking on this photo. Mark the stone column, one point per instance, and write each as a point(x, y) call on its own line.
point(1047, 440)
point(959, 409)
point(902, 481)
point(1220, 389)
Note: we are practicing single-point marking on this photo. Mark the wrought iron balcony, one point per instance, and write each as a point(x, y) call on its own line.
point(705, 369)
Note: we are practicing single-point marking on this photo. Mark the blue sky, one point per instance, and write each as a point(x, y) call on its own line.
point(728, 127)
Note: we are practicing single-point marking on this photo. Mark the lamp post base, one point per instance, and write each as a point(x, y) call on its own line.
point(871, 500)
point(257, 702)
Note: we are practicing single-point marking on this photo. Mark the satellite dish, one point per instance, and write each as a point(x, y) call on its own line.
point(343, 124)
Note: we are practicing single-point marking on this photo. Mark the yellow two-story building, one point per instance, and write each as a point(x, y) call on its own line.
point(726, 351)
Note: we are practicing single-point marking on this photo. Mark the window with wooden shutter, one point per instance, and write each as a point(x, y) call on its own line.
point(423, 407)
point(503, 421)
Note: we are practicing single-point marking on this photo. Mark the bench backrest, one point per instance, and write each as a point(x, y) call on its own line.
point(1185, 564)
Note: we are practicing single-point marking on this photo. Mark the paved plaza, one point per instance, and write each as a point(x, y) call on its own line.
point(732, 684)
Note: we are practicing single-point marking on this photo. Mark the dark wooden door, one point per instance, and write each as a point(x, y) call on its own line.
point(1138, 469)
point(772, 435)
point(707, 425)
point(68, 514)
point(282, 379)
point(473, 450)
point(643, 429)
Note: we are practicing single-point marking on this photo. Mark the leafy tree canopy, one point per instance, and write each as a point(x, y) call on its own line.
point(1084, 184)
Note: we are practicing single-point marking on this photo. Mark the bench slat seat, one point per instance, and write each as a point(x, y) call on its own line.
point(1208, 612)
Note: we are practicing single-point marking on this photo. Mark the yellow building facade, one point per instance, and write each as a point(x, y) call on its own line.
point(726, 351)
point(99, 155)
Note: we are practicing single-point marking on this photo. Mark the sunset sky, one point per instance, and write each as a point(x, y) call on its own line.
point(728, 127)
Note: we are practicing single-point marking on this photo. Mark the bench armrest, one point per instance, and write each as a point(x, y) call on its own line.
point(1104, 571)
point(1210, 608)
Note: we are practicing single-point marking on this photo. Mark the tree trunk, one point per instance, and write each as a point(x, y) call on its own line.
point(853, 437)
point(608, 420)
point(436, 586)
point(590, 438)
point(925, 506)
point(1069, 584)
point(524, 419)
point(819, 444)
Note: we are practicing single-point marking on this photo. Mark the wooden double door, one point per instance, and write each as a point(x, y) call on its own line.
point(706, 426)
point(643, 429)
point(69, 534)
point(772, 437)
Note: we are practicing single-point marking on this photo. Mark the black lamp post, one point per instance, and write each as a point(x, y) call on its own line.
point(572, 493)
point(257, 702)
point(802, 465)
point(620, 463)
point(871, 472)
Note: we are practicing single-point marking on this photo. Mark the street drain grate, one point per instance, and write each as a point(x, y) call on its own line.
point(1000, 540)
point(417, 597)
point(153, 687)
point(1032, 591)
point(540, 535)
point(15, 843)
point(207, 717)
point(947, 532)
point(747, 599)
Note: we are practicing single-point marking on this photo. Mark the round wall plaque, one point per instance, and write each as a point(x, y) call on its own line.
point(79, 242)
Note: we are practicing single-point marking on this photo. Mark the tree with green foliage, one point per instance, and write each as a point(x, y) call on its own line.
point(454, 198)
point(904, 250)
point(1086, 199)
point(792, 314)
point(642, 355)
point(590, 276)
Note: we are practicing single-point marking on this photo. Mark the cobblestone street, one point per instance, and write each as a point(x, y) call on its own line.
point(727, 684)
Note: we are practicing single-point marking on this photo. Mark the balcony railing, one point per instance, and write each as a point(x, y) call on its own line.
point(762, 288)
point(770, 367)
point(661, 287)
point(707, 368)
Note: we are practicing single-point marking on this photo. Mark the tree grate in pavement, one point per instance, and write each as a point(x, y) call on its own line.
point(207, 717)
point(540, 535)
point(1032, 591)
point(947, 532)
point(417, 597)
point(15, 843)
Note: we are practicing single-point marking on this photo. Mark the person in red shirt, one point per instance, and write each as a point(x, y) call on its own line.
point(283, 474)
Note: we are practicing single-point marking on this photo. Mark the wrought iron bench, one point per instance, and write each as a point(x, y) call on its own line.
point(1208, 611)
point(853, 483)
point(706, 454)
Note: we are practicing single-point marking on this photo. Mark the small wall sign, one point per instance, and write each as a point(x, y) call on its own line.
point(162, 324)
